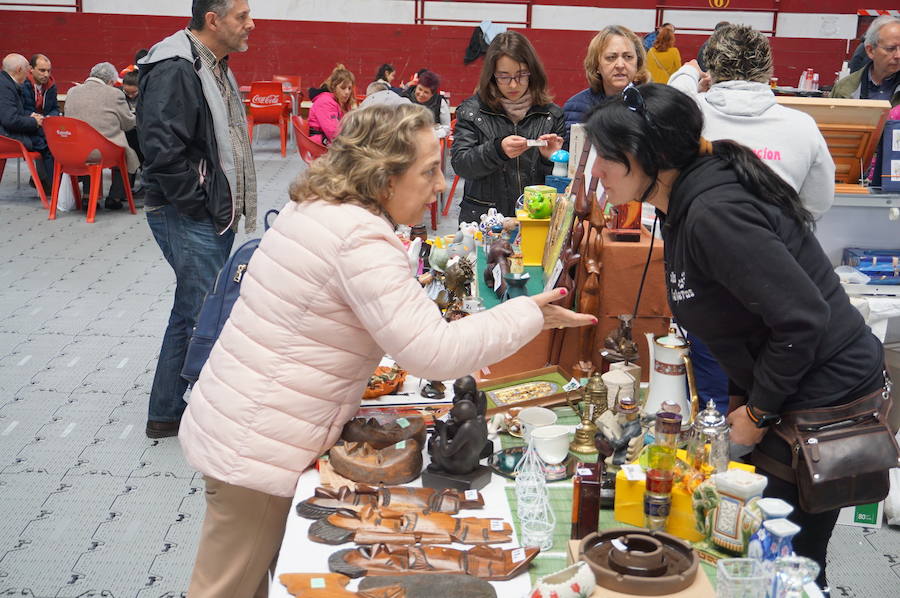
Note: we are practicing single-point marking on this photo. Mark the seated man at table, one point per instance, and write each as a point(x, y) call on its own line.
point(19, 124)
point(740, 105)
point(880, 79)
point(103, 107)
point(40, 88)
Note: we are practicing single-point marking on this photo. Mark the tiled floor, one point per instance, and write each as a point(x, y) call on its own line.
point(90, 507)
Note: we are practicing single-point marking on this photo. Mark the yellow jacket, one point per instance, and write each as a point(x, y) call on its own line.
point(663, 65)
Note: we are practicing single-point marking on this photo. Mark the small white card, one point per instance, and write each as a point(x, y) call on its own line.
point(573, 384)
point(471, 494)
point(518, 555)
point(403, 422)
point(634, 472)
point(536, 142)
point(498, 277)
point(400, 445)
point(496, 525)
point(317, 583)
point(584, 472)
point(554, 276)
point(895, 141)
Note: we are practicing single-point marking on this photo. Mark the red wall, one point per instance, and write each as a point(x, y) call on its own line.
point(75, 42)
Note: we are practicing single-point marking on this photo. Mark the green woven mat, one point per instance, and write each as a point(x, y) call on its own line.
point(560, 494)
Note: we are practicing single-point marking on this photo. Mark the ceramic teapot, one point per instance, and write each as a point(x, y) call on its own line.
point(670, 366)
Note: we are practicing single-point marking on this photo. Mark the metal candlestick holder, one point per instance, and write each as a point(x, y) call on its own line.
point(593, 404)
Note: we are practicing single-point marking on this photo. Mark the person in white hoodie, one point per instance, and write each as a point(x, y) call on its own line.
point(740, 105)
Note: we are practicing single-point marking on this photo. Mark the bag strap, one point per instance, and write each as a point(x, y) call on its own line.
point(266, 224)
point(776, 468)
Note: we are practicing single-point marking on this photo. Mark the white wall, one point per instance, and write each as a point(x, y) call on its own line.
point(588, 18)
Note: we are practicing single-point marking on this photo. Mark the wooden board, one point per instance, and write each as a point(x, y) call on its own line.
point(851, 129)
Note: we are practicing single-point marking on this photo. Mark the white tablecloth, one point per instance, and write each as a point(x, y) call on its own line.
point(301, 555)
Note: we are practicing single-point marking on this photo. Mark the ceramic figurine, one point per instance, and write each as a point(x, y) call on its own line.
point(778, 541)
point(575, 581)
point(770, 508)
point(462, 245)
point(490, 219)
point(623, 431)
point(726, 510)
point(485, 562)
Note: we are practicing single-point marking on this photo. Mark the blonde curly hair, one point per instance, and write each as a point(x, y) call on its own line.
point(738, 53)
point(598, 45)
point(374, 144)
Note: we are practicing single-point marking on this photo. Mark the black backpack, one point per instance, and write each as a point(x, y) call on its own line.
point(217, 307)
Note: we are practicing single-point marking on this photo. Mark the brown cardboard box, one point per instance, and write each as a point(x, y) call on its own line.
point(701, 588)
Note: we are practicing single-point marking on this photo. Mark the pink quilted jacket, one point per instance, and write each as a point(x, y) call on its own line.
point(326, 295)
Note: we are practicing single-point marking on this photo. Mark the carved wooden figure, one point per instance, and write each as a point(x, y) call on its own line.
point(485, 562)
point(326, 501)
point(371, 525)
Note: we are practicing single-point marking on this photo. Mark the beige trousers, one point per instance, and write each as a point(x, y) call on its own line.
point(239, 542)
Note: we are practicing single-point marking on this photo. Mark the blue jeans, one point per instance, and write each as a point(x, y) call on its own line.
point(712, 381)
point(196, 253)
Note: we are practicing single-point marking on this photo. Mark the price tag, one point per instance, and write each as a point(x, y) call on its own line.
point(536, 143)
point(403, 422)
point(316, 583)
point(471, 494)
point(400, 445)
point(620, 545)
point(634, 473)
point(496, 525)
point(498, 277)
point(584, 472)
point(518, 555)
point(573, 384)
point(554, 276)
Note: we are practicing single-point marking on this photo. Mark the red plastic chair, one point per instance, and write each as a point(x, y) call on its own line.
point(269, 106)
point(13, 149)
point(72, 142)
point(296, 81)
point(309, 150)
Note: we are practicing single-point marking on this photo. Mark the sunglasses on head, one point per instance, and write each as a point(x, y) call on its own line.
point(634, 101)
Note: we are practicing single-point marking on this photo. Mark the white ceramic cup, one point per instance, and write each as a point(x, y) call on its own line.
point(535, 417)
point(551, 443)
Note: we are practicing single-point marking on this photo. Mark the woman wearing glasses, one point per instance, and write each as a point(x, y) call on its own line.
point(615, 59)
point(510, 108)
point(744, 273)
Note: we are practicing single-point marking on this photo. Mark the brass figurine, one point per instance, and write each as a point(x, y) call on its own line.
point(594, 403)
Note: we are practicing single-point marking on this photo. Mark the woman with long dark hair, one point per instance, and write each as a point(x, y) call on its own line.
point(511, 107)
point(744, 273)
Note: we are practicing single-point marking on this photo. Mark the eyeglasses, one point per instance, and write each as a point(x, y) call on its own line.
point(507, 79)
point(890, 49)
point(634, 101)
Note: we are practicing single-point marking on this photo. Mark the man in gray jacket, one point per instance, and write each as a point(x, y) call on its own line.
point(198, 174)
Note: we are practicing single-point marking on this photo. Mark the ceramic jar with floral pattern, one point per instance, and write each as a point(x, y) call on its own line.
point(575, 581)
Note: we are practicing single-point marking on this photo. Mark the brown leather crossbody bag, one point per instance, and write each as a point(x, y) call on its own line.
point(841, 455)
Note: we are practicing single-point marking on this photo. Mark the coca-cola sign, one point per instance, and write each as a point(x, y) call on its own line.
point(269, 100)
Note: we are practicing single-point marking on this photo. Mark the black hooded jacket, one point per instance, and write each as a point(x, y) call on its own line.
point(756, 287)
point(492, 178)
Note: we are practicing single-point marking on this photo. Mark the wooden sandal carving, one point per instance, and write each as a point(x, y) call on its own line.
point(333, 585)
point(326, 501)
point(370, 525)
point(485, 562)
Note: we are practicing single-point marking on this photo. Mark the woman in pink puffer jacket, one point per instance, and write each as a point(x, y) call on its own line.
point(326, 295)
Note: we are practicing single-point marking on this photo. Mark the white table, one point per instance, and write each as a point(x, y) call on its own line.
point(301, 555)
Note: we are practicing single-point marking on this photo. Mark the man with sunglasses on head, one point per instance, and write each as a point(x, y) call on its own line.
point(880, 79)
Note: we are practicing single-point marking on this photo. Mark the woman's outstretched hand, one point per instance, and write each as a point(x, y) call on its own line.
point(560, 317)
